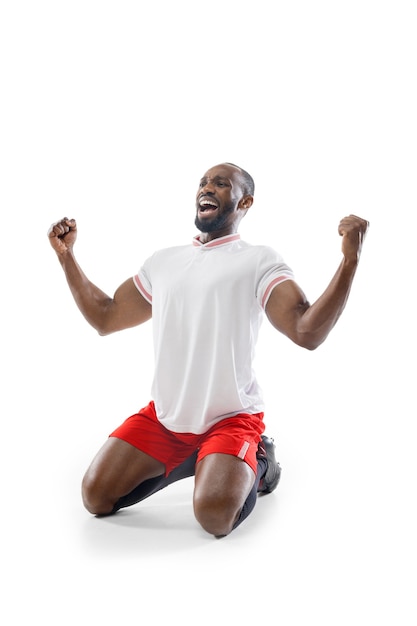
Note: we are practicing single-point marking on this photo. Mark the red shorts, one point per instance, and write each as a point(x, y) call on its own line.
point(238, 435)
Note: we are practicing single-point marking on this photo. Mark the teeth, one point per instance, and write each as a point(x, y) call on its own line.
point(207, 203)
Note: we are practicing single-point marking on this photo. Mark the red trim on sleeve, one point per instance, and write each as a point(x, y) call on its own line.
point(141, 288)
point(270, 287)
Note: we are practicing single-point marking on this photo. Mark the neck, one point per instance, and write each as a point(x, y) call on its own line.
point(206, 237)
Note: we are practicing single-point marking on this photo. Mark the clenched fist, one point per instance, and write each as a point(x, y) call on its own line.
point(353, 230)
point(62, 235)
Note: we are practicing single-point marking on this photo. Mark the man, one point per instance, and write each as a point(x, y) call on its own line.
point(207, 301)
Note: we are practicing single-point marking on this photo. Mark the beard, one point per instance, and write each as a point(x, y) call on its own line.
point(217, 223)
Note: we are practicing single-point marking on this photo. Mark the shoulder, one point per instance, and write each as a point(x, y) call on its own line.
point(263, 252)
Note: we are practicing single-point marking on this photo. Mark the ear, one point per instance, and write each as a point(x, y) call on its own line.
point(246, 202)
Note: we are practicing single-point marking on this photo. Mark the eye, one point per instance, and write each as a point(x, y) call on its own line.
point(222, 182)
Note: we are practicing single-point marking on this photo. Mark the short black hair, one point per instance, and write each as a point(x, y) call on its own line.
point(249, 183)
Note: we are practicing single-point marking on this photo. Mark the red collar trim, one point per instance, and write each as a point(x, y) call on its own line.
point(214, 243)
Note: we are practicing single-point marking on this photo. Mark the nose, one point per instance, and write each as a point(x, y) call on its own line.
point(208, 187)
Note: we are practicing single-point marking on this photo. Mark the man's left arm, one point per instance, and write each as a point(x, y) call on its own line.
point(307, 324)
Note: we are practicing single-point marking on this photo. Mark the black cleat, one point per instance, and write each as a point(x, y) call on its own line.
point(266, 450)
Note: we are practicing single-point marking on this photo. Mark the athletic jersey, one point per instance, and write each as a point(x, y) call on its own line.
point(208, 303)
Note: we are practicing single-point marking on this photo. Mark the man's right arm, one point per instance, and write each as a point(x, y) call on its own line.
point(126, 309)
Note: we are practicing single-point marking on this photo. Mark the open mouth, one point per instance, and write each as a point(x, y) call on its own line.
point(207, 205)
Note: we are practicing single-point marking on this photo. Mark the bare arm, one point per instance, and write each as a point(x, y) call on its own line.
point(307, 324)
point(126, 309)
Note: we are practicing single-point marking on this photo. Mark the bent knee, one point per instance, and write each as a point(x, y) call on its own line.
point(216, 516)
point(94, 496)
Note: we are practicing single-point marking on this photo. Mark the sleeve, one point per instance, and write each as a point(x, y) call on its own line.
point(272, 271)
point(142, 281)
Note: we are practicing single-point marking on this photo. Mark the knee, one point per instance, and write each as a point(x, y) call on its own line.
point(94, 496)
point(216, 516)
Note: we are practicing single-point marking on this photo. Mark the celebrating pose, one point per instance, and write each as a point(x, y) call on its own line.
point(207, 301)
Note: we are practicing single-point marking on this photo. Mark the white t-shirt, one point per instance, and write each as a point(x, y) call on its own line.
point(208, 303)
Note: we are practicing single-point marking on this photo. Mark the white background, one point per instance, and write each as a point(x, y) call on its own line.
point(110, 113)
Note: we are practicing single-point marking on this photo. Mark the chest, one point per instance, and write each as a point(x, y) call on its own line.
point(205, 275)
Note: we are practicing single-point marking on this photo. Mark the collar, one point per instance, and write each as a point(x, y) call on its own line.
point(215, 243)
